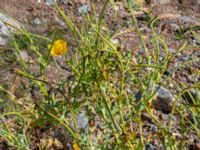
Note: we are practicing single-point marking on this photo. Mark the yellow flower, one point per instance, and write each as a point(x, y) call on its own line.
point(59, 47)
point(76, 147)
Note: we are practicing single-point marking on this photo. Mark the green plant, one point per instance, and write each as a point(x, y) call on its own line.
point(102, 77)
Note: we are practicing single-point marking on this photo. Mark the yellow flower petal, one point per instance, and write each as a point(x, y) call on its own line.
point(76, 147)
point(59, 47)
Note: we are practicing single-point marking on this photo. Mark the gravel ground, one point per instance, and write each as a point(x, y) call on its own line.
point(181, 14)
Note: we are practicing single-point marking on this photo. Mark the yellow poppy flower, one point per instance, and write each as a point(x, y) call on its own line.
point(76, 147)
point(59, 47)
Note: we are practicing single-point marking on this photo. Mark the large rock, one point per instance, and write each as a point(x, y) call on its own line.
point(7, 24)
point(164, 100)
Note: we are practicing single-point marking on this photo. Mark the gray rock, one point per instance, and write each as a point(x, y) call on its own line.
point(162, 1)
point(194, 78)
point(145, 29)
point(153, 128)
point(150, 147)
point(185, 58)
point(81, 120)
point(164, 100)
point(3, 41)
point(188, 19)
point(49, 2)
point(64, 1)
point(164, 117)
point(174, 26)
point(5, 29)
point(9, 20)
point(34, 69)
point(60, 22)
point(5, 74)
point(4, 32)
point(36, 22)
point(138, 96)
point(194, 41)
point(115, 41)
point(172, 50)
point(23, 55)
point(84, 9)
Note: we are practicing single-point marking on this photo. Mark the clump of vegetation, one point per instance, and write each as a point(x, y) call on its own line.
point(102, 87)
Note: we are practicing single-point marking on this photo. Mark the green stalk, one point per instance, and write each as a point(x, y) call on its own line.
point(75, 135)
point(117, 127)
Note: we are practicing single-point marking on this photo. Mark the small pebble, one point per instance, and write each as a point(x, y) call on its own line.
point(49, 2)
point(150, 147)
point(162, 1)
point(36, 21)
point(84, 9)
point(116, 41)
point(23, 55)
point(138, 96)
